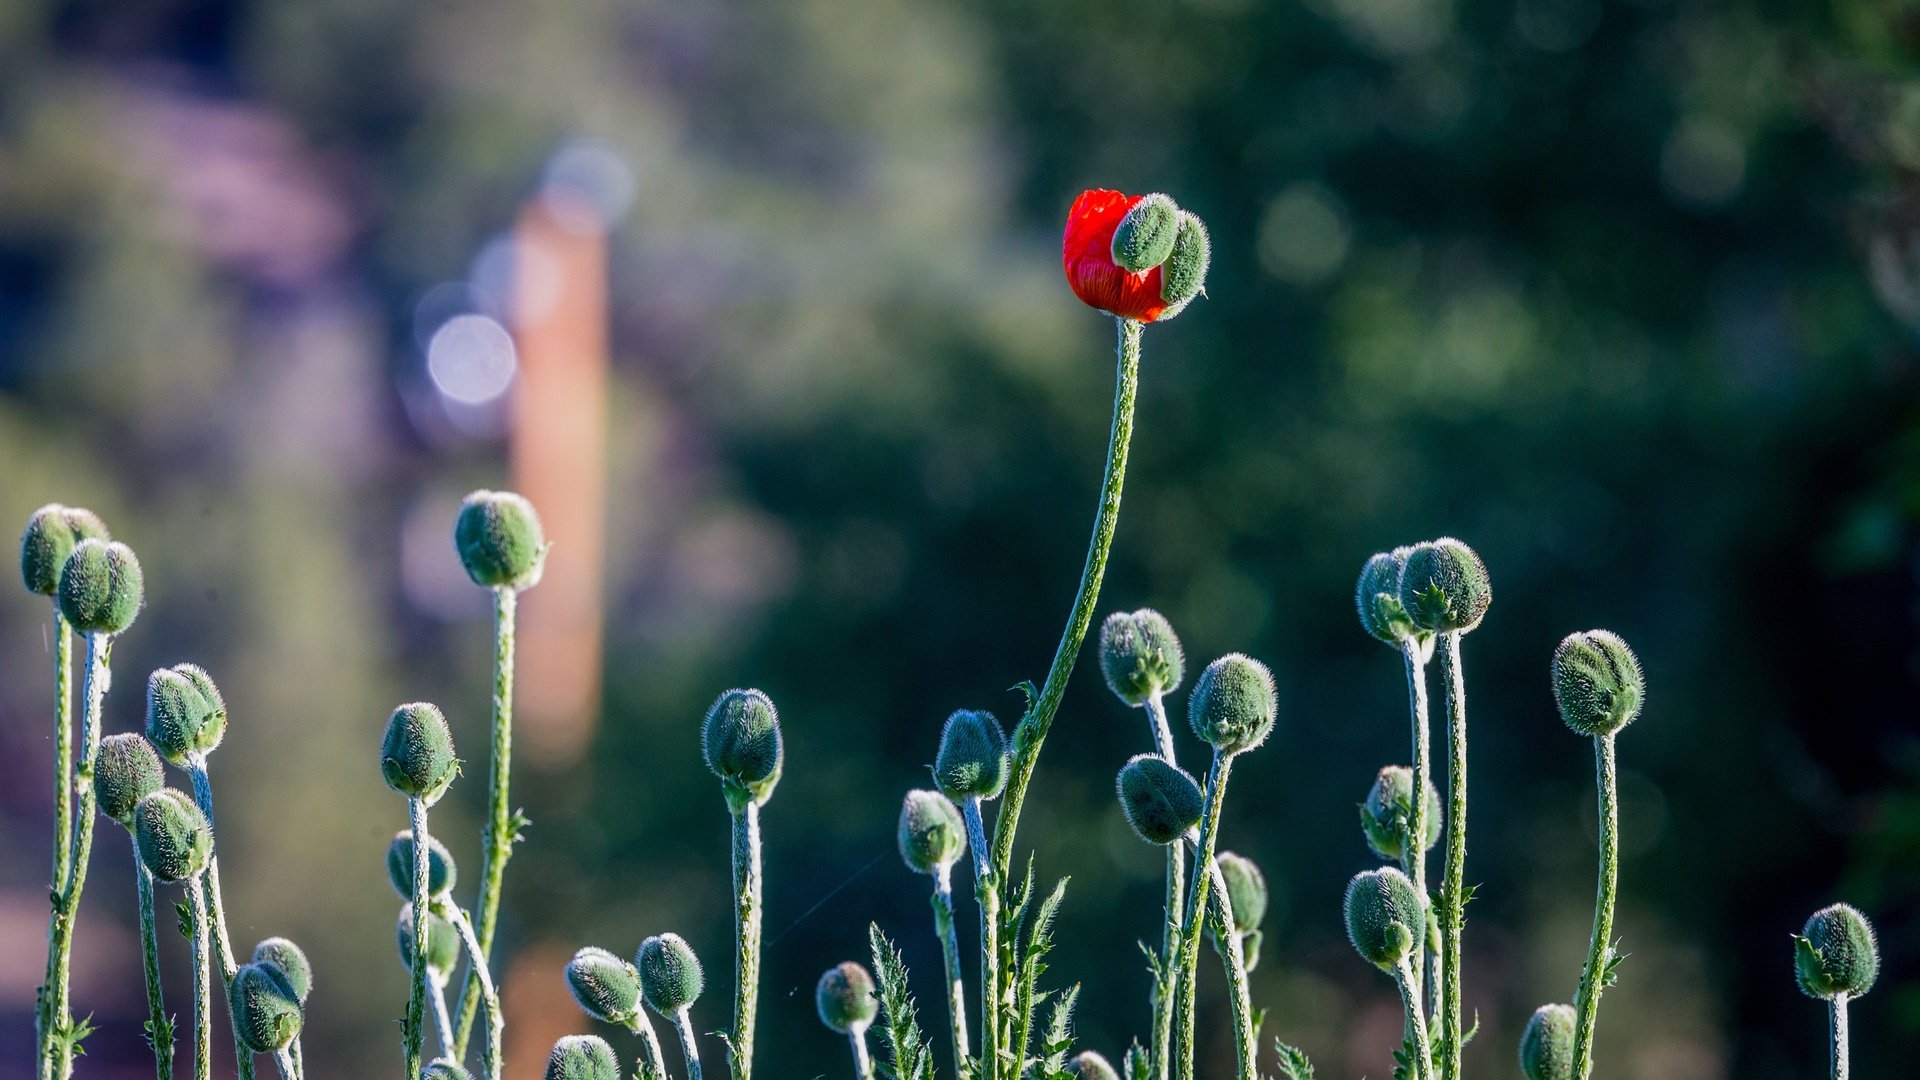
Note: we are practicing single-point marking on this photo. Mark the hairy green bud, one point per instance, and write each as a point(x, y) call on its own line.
point(1184, 275)
point(1546, 1047)
point(582, 1057)
point(186, 716)
point(844, 997)
point(1246, 891)
point(1161, 801)
point(606, 987)
point(417, 755)
point(445, 1069)
point(1377, 598)
point(499, 539)
point(1088, 1065)
point(266, 1011)
point(1140, 655)
point(175, 838)
point(101, 587)
point(1233, 704)
point(125, 771)
point(441, 873)
point(1444, 587)
point(1144, 237)
point(740, 739)
point(1597, 683)
point(670, 975)
point(1835, 954)
point(932, 833)
point(443, 943)
point(1386, 817)
point(50, 537)
point(973, 758)
point(290, 961)
point(1384, 913)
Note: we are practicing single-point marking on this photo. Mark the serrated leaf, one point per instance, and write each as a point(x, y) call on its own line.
point(1293, 1061)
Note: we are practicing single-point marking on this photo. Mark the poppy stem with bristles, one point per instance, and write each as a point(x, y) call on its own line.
point(1593, 977)
point(987, 895)
point(1415, 855)
point(1453, 888)
point(500, 831)
point(1164, 993)
point(417, 991)
point(1195, 912)
point(56, 1018)
point(1837, 1036)
point(950, 954)
point(62, 834)
point(1403, 974)
point(209, 885)
point(493, 1060)
point(689, 1048)
point(159, 1028)
point(202, 981)
point(746, 923)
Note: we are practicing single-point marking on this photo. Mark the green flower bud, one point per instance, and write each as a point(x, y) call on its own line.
point(51, 534)
point(1246, 891)
point(1233, 704)
point(1144, 237)
point(1546, 1048)
point(1835, 954)
point(1377, 596)
point(1088, 1065)
point(932, 833)
point(1384, 913)
point(1184, 275)
point(443, 1069)
point(101, 588)
point(1445, 587)
point(286, 958)
point(185, 713)
point(606, 987)
point(973, 759)
point(443, 943)
point(266, 1012)
point(1597, 683)
point(1140, 656)
point(670, 975)
point(741, 742)
point(499, 539)
point(175, 838)
point(417, 755)
point(1386, 817)
point(1160, 800)
point(441, 873)
point(126, 771)
point(583, 1057)
point(845, 998)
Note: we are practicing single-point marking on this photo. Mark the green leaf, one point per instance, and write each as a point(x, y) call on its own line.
point(910, 1056)
point(1293, 1061)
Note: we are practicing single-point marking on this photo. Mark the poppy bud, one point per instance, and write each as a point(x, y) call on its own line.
point(670, 975)
point(1140, 656)
point(266, 1012)
point(1597, 683)
point(582, 1057)
point(1377, 596)
point(845, 998)
point(101, 587)
point(444, 1069)
point(1246, 891)
point(417, 755)
point(441, 873)
point(1160, 800)
point(1835, 954)
point(1233, 704)
point(125, 771)
point(932, 833)
point(741, 742)
point(1386, 817)
point(499, 539)
point(174, 837)
point(1445, 587)
point(443, 943)
point(1088, 1065)
point(185, 713)
point(1546, 1047)
point(1144, 237)
point(51, 534)
point(1184, 274)
point(606, 987)
point(286, 958)
point(973, 758)
point(1383, 914)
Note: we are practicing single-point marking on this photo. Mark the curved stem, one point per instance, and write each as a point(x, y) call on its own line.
point(1452, 891)
point(1586, 1002)
point(1416, 1019)
point(202, 978)
point(499, 834)
point(1837, 1035)
point(690, 1049)
point(1416, 853)
point(1174, 904)
point(746, 929)
point(216, 907)
point(62, 832)
point(1190, 923)
point(862, 1061)
point(950, 954)
point(1231, 945)
point(650, 1042)
point(986, 895)
point(417, 991)
point(442, 1022)
point(283, 1060)
point(477, 963)
point(159, 1028)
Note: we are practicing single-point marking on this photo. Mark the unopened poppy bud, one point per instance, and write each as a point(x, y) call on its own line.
point(1445, 587)
point(1597, 683)
point(670, 975)
point(444, 1069)
point(499, 539)
point(1088, 1065)
point(1160, 800)
point(1384, 913)
point(932, 833)
point(443, 943)
point(1835, 954)
point(606, 987)
point(582, 1057)
point(973, 760)
point(1546, 1047)
point(1246, 891)
point(417, 754)
point(125, 771)
point(1386, 817)
point(845, 998)
point(174, 837)
point(1140, 655)
point(1233, 704)
point(51, 534)
point(186, 716)
point(441, 873)
point(290, 961)
point(1144, 237)
point(741, 742)
point(1377, 597)
point(266, 1012)
point(101, 588)
point(1184, 274)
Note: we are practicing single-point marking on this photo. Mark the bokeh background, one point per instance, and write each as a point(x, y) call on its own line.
point(760, 301)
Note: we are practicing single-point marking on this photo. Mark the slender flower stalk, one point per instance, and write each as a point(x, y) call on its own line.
point(943, 927)
point(1175, 903)
point(284, 1061)
point(1231, 944)
point(1837, 1036)
point(417, 993)
point(986, 895)
point(1416, 651)
point(61, 1032)
point(1453, 886)
point(500, 831)
point(1593, 976)
point(202, 983)
point(494, 1059)
point(60, 926)
point(741, 742)
point(1407, 979)
point(442, 1021)
point(1191, 918)
point(862, 1060)
point(747, 911)
point(689, 1046)
point(417, 761)
point(932, 836)
point(159, 1028)
point(209, 885)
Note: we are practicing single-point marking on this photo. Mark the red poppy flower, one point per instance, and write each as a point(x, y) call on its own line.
point(1086, 254)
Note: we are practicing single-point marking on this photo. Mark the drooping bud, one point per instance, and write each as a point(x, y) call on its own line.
point(582, 1057)
point(670, 975)
point(741, 742)
point(1160, 800)
point(1246, 891)
point(185, 713)
point(443, 943)
point(1088, 1065)
point(1444, 587)
point(286, 958)
point(101, 587)
point(844, 997)
point(1546, 1047)
point(174, 837)
point(499, 539)
point(973, 759)
point(1184, 275)
point(1386, 817)
point(1233, 704)
point(932, 833)
point(1835, 954)
point(1597, 683)
point(266, 1011)
point(445, 1069)
point(606, 987)
point(125, 771)
point(1384, 913)
point(51, 534)
point(441, 873)
point(1377, 597)
point(1144, 237)
point(1140, 655)
point(417, 754)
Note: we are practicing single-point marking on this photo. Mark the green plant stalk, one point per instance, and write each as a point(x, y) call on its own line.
point(1837, 1036)
point(862, 1061)
point(442, 1021)
point(649, 1039)
point(499, 834)
point(57, 1019)
point(683, 1026)
point(987, 895)
point(283, 1060)
point(493, 1061)
point(1193, 917)
point(746, 931)
point(202, 978)
point(159, 1028)
point(209, 885)
point(62, 825)
point(1416, 1019)
point(950, 954)
point(417, 992)
point(1163, 991)
point(1231, 945)
point(1415, 861)
point(1452, 892)
point(1586, 1001)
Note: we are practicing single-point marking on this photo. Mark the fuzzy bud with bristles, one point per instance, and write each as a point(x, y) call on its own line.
point(1144, 237)
point(51, 535)
point(1140, 655)
point(1377, 598)
point(443, 943)
point(670, 975)
point(1546, 1047)
point(499, 539)
point(844, 997)
point(582, 1057)
point(1088, 1065)
point(186, 716)
point(1233, 704)
point(445, 1069)
point(417, 755)
point(1386, 817)
point(1161, 801)
point(606, 987)
point(266, 1011)
point(1384, 915)
point(973, 759)
point(1184, 275)
point(101, 587)
point(741, 742)
point(1246, 891)
point(175, 838)
point(1835, 954)
point(1444, 587)
point(1597, 683)
point(932, 833)
point(125, 771)
point(290, 961)
point(441, 873)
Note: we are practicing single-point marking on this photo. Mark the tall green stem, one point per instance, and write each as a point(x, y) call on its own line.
point(498, 835)
point(1231, 945)
point(202, 978)
point(442, 1022)
point(1175, 901)
point(986, 894)
point(862, 1061)
point(159, 1028)
point(950, 953)
point(477, 963)
point(683, 1026)
point(1452, 893)
point(1190, 923)
point(1837, 1036)
point(1586, 1002)
point(62, 830)
point(283, 1060)
point(56, 1014)
point(209, 885)
point(1416, 1019)
point(650, 1042)
point(1416, 853)
point(417, 992)
point(746, 930)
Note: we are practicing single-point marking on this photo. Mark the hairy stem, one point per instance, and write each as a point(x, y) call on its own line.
point(683, 1026)
point(1452, 892)
point(498, 836)
point(746, 931)
point(987, 895)
point(1586, 1001)
point(1416, 1019)
point(283, 1060)
point(1233, 958)
point(1191, 920)
point(159, 1029)
point(1837, 1036)
point(442, 1022)
point(650, 1041)
point(55, 1001)
point(216, 907)
point(862, 1061)
point(1175, 902)
point(1416, 852)
point(950, 953)
point(202, 980)
point(417, 991)
point(493, 1060)
point(62, 831)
